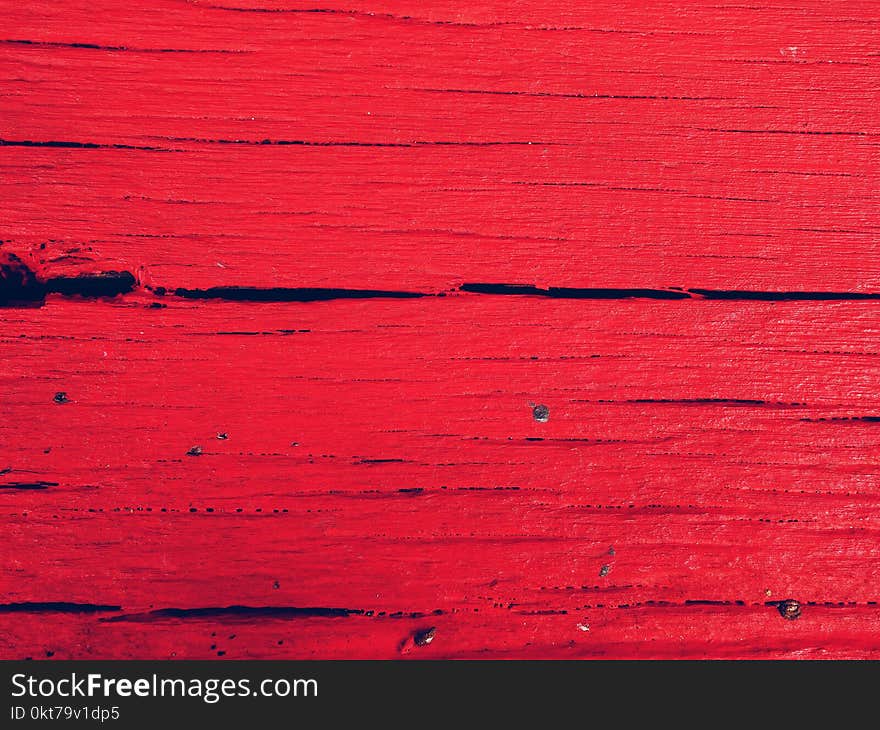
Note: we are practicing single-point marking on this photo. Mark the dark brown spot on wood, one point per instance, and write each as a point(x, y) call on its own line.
point(18, 283)
point(195, 451)
point(789, 609)
point(604, 570)
point(423, 638)
point(61, 397)
point(541, 413)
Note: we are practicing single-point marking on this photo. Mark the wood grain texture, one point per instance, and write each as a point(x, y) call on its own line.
point(285, 288)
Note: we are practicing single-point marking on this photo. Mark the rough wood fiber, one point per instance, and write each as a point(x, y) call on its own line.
point(354, 246)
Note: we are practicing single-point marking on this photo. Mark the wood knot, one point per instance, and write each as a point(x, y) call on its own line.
point(61, 397)
point(195, 451)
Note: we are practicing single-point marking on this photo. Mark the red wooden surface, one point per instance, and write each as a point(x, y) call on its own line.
point(687, 199)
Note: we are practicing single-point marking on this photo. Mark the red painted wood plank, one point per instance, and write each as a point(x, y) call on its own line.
point(384, 457)
point(633, 146)
point(199, 478)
